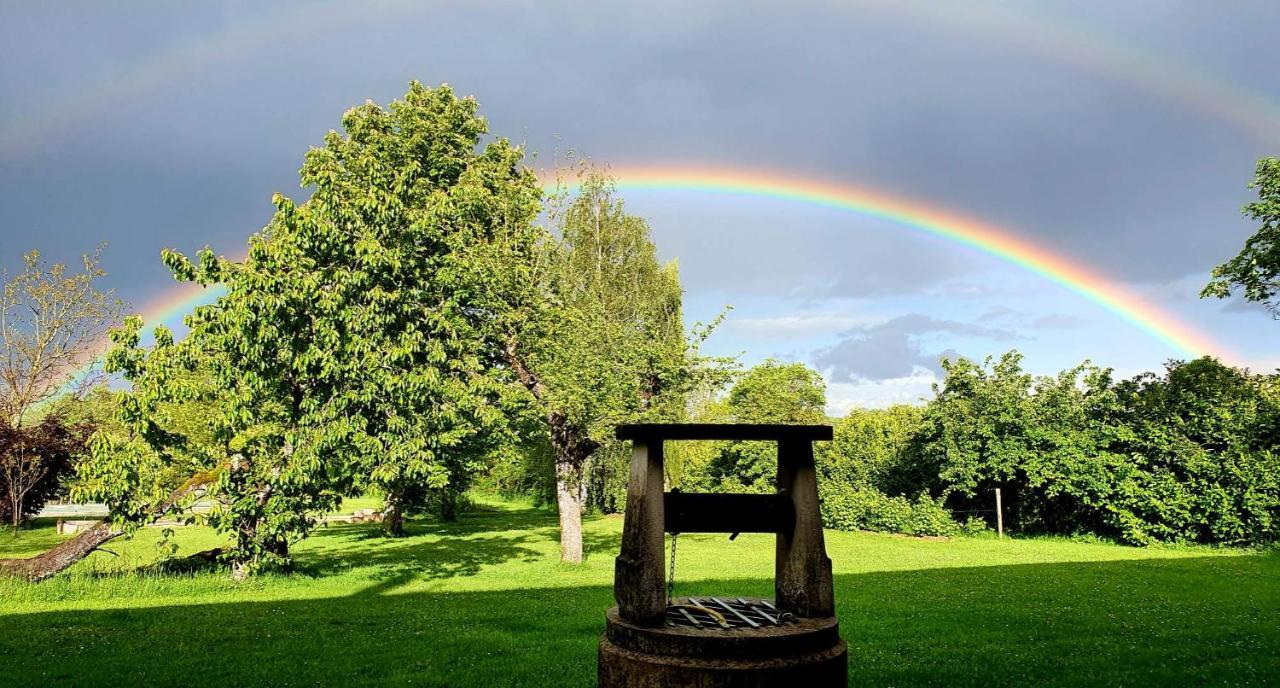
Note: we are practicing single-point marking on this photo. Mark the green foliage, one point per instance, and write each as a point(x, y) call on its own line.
point(845, 507)
point(1206, 443)
point(610, 345)
point(771, 392)
point(1256, 269)
point(357, 344)
point(873, 448)
point(1187, 457)
point(605, 345)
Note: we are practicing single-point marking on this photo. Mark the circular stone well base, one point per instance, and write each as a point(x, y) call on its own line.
point(808, 652)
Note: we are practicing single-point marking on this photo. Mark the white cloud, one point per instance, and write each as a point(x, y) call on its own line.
point(843, 397)
point(791, 326)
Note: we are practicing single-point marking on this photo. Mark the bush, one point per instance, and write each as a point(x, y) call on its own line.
point(849, 508)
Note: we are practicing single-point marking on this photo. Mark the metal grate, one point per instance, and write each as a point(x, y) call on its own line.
point(727, 614)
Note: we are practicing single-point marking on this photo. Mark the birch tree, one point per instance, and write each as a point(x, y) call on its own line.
point(607, 345)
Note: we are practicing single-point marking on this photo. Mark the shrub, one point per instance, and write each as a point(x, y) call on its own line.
point(33, 461)
point(850, 508)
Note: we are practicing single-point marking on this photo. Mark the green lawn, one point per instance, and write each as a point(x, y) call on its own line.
point(485, 603)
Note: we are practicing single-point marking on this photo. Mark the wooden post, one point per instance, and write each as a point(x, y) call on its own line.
point(802, 578)
point(637, 579)
point(999, 514)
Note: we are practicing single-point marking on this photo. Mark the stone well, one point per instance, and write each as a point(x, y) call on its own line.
point(715, 641)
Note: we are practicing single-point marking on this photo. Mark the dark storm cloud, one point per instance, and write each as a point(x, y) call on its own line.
point(1092, 165)
point(893, 349)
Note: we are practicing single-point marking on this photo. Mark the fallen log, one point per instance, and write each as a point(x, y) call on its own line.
point(64, 554)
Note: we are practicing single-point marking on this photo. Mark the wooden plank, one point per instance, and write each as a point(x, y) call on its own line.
point(693, 512)
point(657, 432)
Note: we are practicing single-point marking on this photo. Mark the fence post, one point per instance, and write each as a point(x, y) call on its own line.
point(999, 514)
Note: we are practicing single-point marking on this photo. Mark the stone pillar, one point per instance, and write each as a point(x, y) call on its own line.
point(637, 579)
point(802, 578)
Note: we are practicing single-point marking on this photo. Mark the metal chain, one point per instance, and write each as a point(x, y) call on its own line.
point(671, 576)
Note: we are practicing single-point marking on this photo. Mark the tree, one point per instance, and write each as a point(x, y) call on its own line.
point(872, 449)
point(770, 392)
point(606, 345)
point(51, 322)
point(33, 461)
point(1205, 438)
point(1256, 269)
point(357, 343)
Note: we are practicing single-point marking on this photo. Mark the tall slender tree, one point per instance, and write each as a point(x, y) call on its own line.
point(607, 345)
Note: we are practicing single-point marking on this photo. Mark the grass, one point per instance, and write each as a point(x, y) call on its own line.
point(486, 603)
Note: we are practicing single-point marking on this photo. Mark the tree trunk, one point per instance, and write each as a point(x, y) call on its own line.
point(65, 554)
point(279, 547)
point(448, 505)
point(62, 556)
point(572, 448)
point(393, 514)
point(248, 539)
point(569, 501)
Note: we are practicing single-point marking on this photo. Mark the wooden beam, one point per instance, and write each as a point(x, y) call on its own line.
point(657, 432)
point(691, 512)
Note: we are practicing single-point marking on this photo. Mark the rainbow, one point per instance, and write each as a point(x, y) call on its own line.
point(1052, 36)
point(170, 308)
point(916, 215)
point(1063, 39)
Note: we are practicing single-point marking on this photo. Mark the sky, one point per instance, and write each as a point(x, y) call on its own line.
point(1117, 138)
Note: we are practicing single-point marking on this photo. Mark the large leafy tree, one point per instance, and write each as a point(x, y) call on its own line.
point(1188, 456)
point(358, 342)
point(1040, 440)
point(607, 346)
point(1255, 271)
point(1205, 442)
point(873, 449)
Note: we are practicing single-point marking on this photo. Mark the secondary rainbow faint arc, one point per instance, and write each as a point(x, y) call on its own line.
point(955, 228)
point(1055, 37)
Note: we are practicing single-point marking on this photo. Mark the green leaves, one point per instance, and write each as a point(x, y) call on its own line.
point(1256, 269)
point(1184, 457)
point(349, 351)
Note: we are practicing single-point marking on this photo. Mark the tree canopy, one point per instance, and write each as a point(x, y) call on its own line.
point(356, 344)
point(607, 345)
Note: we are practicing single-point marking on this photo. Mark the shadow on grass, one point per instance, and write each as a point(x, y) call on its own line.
point(437, 549)
point(1193, 621)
